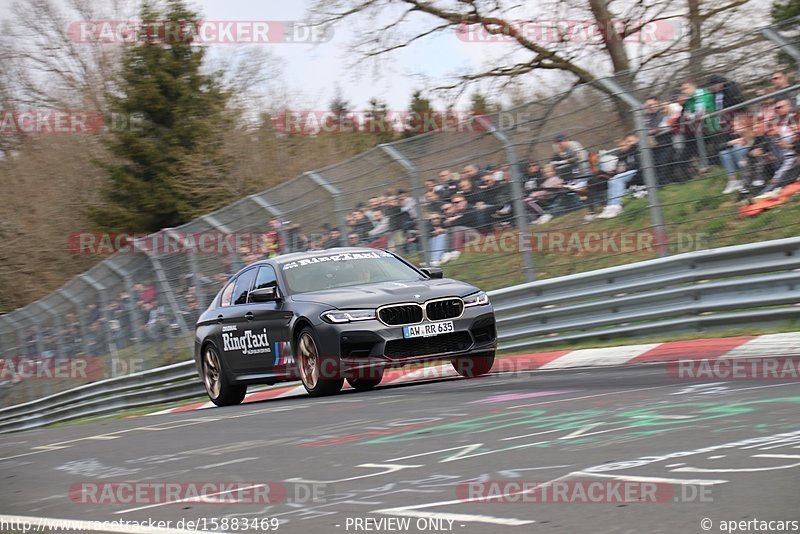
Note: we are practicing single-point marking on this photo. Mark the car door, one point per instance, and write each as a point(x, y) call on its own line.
point(271, 324)
point(236, 317)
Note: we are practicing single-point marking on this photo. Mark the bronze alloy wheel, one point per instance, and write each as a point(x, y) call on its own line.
point(211, 372)
point(308, 360)
point(318, 373)
point(219, 390)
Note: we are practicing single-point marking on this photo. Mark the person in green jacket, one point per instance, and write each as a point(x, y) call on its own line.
point(700, 102)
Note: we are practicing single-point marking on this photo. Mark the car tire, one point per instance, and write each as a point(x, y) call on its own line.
point(219, 390)
point(475, 365)
point(310, 364)
point(373, 377)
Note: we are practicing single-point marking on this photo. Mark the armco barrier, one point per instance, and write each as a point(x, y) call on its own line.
point(754, 284)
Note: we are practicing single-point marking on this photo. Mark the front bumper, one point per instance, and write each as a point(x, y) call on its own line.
point(367, 344)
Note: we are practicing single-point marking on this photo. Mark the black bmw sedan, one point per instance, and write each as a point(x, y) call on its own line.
point(338, 314)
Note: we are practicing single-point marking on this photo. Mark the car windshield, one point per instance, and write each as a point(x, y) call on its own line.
point(329, 271)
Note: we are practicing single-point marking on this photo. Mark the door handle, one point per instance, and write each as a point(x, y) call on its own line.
point(249, 316)
point(220, 318)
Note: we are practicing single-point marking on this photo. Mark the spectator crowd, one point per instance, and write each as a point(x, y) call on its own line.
point(756, 145)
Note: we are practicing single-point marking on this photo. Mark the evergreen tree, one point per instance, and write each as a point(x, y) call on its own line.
point(175, 144)
point(341, 109)
point(421, 116)
point(783, 10)
point(479, 104)
point(377, 122)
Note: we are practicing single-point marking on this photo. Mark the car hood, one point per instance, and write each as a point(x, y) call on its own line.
point(374, 295)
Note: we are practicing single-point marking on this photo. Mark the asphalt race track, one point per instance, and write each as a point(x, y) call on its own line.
point(427, 457)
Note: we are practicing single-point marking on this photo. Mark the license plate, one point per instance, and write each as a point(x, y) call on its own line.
point(428, 329)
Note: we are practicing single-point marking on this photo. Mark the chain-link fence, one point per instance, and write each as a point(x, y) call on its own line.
point(625, 169)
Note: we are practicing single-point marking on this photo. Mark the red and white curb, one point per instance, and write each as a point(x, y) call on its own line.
point(771, 345)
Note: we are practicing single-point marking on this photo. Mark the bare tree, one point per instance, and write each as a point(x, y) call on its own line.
point(585, 39)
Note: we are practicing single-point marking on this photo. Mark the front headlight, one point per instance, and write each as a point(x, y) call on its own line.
point(476, 299)
point(347, 316)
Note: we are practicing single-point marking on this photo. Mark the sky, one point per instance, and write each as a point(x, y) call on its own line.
point(311, 73)
point(316, 70)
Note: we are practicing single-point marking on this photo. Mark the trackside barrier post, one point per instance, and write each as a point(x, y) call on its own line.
point(7, 348)
point(131, 304)
point(338, 206)
point(781, 41)
point(167, 290)
point(59, 340)
point(278, 214)
point(700, 141)
point(646, 154)
point(23, 345)
point(38, 327)
point(517, 192)
point(200, 292)
point(221, 228)
point(101, 291)
point(416, 188)
point(78, 305)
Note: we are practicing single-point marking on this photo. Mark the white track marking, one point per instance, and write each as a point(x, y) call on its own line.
point(387, 468)
point(240, 460)
point(656, 480)
point(463, 448)
point(581, 431)
point(530, 435)
point(735, 469)
point(770, 344)
point(604, 356)
point(619, 392)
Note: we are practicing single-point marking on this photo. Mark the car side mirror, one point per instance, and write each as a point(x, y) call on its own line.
point(265, 294)
point(433, 272)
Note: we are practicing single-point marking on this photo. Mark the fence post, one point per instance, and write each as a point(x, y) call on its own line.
point(419, 196)
point(101, 290)
point(517, 191)
point(78, 306)
point(6, 350)
point(781, 41)
point(275, 212)
point(613, 88)
point(700, 141)
point(199, 291)
point(166, 289)
point(56, 325)
point(336, 193)
point(21, 341)
point(131, 307)
point(39, 344)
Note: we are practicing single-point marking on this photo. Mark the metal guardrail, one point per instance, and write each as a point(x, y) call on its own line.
point(746, 284)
